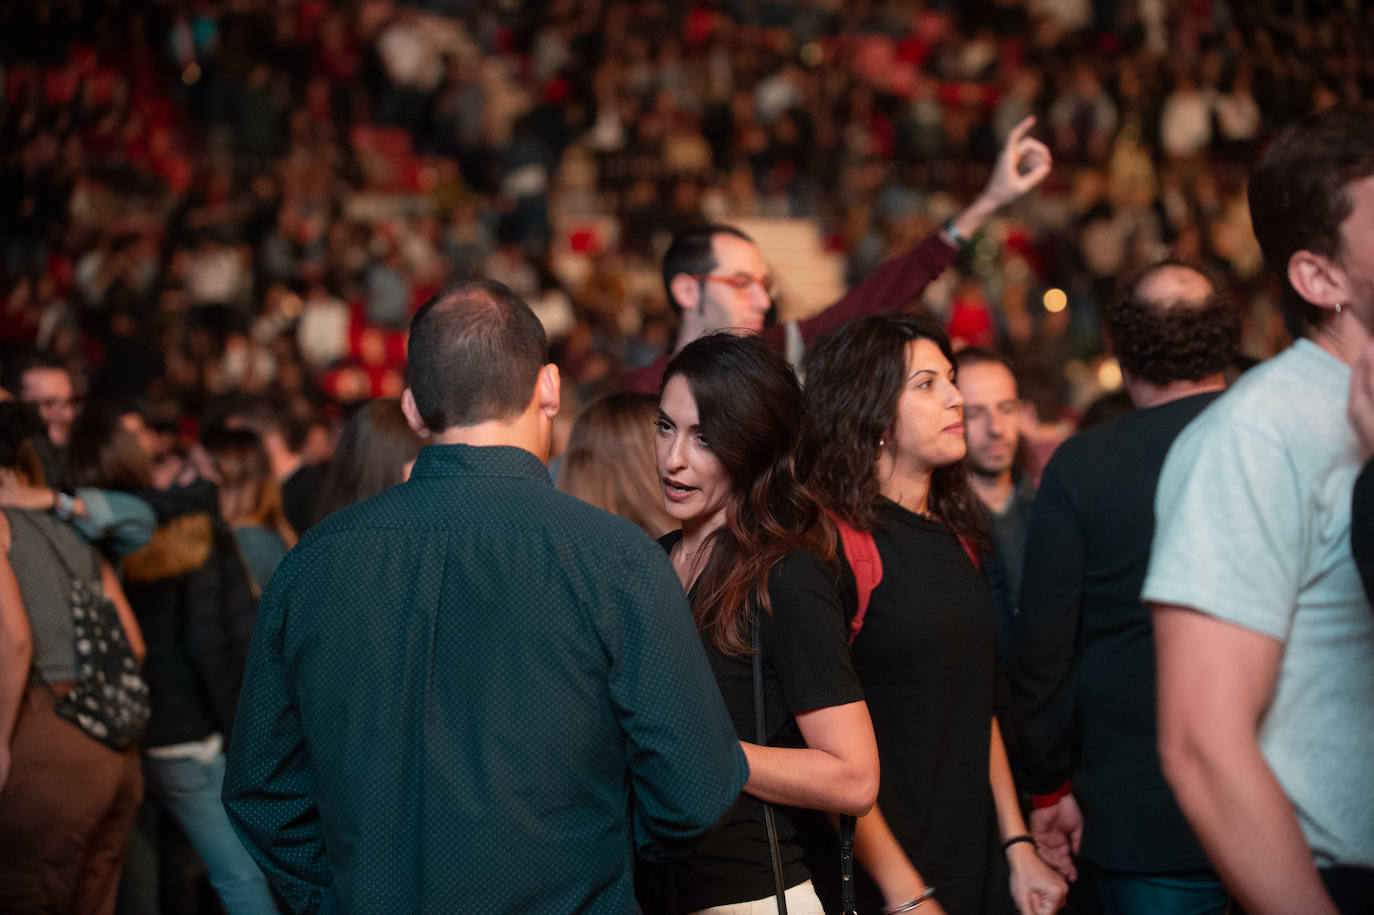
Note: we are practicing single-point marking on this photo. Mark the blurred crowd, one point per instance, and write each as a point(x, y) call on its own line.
point(253, 195)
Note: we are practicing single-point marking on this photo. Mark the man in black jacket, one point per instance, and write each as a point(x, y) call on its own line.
point(1083, 688)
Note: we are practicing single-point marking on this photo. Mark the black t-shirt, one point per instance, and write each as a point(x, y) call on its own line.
point(806, 666)
point(927, 659)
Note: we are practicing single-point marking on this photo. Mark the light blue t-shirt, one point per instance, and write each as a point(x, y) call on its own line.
point(1253, 528)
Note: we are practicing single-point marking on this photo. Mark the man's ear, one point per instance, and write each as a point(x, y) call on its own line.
point(686, 290)
point(1318, 279)
point(412, 414)
point(548, 389)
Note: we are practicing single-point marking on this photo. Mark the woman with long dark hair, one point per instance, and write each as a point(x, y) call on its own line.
point(375, 451)
point(882, 392)
point(756, 549)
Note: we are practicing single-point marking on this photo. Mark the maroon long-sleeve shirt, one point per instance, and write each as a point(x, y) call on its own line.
point(894, 286)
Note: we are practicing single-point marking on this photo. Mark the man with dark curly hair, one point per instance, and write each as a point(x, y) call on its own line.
point(1265, 642)
point(1083, 676)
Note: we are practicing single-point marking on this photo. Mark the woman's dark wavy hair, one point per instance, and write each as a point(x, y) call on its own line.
point(750, 411)
point(854, 377)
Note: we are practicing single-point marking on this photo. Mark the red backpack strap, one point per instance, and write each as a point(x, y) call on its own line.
point(862, 552)
point(972, 553)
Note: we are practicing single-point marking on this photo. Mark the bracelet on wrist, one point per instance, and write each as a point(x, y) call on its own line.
point(952, 234)
point(63, 505)
point(1014, 840)
point(912, 903)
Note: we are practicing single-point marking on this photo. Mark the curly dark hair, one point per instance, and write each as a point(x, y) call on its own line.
point(1298, 196)
point(750, 409)
point(1176, 340)
point(854, 379)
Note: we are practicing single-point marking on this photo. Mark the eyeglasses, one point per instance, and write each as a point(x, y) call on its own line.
point(741, 282)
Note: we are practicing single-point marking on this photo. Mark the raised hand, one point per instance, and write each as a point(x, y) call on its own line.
point(1021, 165)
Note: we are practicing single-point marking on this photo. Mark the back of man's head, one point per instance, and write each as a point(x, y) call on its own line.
point(691, 252)
point(1170, 323)
point(475, 353)
point(1298, 193)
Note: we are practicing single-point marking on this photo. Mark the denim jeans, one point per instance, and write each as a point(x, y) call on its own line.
point(190, 791)
point(1160, 894)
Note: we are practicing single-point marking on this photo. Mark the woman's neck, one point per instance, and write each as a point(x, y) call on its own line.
point(909, 488)
point(691, 552)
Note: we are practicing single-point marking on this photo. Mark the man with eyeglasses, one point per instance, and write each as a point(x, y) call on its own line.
point(716, 277)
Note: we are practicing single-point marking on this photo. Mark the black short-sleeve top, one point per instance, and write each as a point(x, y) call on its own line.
point(806, 666)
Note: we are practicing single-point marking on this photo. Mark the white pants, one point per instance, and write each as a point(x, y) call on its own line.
point(801, 900)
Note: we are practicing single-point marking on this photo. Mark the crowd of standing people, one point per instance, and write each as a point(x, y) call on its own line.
point(893, 648)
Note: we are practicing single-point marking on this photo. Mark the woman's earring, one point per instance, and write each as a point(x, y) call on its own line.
point(1338, 308)
point(881, 442)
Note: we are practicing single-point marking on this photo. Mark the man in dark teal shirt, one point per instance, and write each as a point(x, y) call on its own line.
point(472, 692)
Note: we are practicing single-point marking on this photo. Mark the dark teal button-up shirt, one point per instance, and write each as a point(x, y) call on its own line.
point(475, 693)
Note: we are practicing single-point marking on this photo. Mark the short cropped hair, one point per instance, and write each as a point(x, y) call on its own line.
point(1176, 340)
point(1298, 196)
point(691, 253)
point(981, 355)
point(475, 352)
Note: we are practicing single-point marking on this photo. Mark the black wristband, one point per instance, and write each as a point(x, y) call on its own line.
point(1015, 839)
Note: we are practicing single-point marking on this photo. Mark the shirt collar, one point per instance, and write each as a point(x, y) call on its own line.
point(486, 460)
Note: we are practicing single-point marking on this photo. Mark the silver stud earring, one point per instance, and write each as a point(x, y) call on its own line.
point(1338, 308)
point(881, 442)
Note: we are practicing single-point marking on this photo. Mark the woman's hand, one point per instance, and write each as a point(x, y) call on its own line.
point(1036, 888)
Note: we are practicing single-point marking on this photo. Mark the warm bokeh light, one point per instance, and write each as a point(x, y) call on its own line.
point(1055, 300)
point(1109, 374)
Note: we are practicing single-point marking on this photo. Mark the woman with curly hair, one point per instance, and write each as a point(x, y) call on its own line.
point(882, 392)
point(756, 550)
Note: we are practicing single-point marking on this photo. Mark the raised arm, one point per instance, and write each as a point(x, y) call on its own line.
point(1021, 165)
point(1215, 680)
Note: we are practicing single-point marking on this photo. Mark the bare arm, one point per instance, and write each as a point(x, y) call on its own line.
point(1214, 681)
point(16, 650)
point(837, 771)
point(879, 852)
point(1036, 888)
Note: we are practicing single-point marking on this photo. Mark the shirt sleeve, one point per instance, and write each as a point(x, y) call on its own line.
point(1229, 493)
point(118, 520)
point(267, 786)
point(893, 287)
point(805, 641)
point(1045, 633)
point(684, 759)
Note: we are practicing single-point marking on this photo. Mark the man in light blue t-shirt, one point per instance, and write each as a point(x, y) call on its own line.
point(1265, 640)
